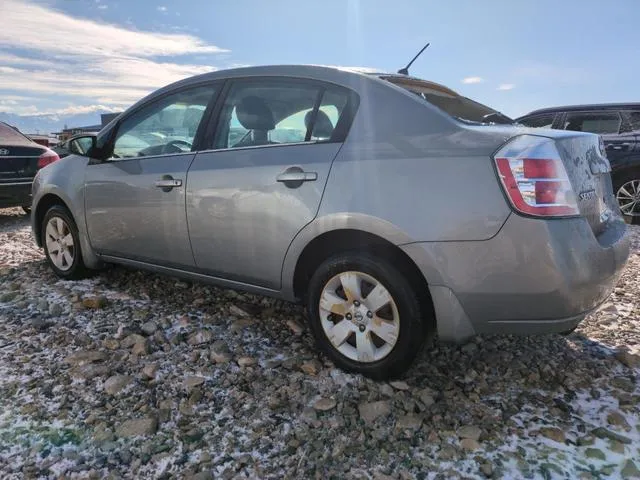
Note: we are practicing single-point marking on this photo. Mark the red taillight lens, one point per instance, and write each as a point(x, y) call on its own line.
point(46, 158)
point(534, 177)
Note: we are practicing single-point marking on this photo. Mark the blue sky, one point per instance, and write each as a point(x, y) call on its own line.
point(70, 56)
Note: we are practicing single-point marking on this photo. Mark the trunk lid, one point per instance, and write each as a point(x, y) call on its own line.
point(589, 170)
point(19, 162)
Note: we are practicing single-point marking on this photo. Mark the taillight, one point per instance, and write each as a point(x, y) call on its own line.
point(46, 158)
point(534, 177)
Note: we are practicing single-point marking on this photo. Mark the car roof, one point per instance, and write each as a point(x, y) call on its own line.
point(592, 106)
point(346, 76)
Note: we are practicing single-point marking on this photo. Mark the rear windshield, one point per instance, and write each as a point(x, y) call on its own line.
point(10, 136)
point(457, 106)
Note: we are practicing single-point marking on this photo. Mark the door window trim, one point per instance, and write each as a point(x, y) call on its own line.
point(217, 85)
point(340, 132)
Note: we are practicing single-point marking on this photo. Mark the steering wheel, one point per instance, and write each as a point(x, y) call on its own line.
point(176, 144)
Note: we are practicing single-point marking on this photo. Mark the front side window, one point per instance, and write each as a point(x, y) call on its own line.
point(593, 122)
point(167, 126)
point(539, 121)
point(278, 112)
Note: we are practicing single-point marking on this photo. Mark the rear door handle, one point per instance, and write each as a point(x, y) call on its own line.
point(168, 183)
point(293, 177)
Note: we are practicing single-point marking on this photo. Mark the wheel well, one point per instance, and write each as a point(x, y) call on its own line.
point(45, 203)
point(337, 241)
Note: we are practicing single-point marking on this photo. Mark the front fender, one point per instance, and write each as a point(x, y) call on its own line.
point(64, 179)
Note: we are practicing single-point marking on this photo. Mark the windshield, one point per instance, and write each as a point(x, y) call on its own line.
point(450, 102)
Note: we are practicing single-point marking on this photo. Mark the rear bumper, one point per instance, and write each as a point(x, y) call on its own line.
point(533, 277)
point(15, 194)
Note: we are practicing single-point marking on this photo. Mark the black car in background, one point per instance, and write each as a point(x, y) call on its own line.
point(619, 126)
point(20, 159)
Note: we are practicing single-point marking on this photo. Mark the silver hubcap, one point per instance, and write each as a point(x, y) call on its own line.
point(629, 198)
point(59, 243)
point(359, 317)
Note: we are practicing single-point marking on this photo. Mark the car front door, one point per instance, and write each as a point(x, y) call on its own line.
point(135, 200)
point(262, 182)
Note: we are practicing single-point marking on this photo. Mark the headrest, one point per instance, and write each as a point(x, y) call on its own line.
point(254, 114)
point(323, 127)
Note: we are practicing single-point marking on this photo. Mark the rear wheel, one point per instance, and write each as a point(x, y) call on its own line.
point(365, 315)
point(62, 244)
point(627, 190)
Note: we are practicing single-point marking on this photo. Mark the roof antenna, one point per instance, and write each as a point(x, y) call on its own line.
point(405, 70)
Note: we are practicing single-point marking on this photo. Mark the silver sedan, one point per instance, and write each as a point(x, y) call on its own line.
point(393, 207)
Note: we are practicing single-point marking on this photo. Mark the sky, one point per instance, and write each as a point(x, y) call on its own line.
point(80, 56)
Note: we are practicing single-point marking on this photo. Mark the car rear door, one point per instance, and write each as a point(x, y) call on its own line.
point(262, 181)
point(135, 200)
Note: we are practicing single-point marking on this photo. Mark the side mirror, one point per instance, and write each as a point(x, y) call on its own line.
point(82, 145)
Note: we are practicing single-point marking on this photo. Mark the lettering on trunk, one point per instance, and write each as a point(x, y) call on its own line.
point(587, 194)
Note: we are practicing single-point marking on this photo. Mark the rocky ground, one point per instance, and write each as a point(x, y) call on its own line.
point(134, 375)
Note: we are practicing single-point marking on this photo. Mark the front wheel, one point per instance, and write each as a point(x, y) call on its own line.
point(365, 315)
point(627, 190)
point(62, 244)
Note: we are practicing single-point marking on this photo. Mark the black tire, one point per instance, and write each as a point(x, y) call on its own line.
point(26, 210)
point(618, 181)
point(77, 269)
point(413, 323)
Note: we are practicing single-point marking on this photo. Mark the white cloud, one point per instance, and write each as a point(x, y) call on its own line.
point(57, 32)
point(97, 64)
point(470, 80)
point(76, 110)
point(13, 60)
point(506, 86)
point(162, 9)
point(103, 7)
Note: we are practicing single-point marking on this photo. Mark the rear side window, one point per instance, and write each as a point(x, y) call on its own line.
point(593, 122)
point(275, 112)
point(539, 121)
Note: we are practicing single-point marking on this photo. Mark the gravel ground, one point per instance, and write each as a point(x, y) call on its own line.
point(134, 375)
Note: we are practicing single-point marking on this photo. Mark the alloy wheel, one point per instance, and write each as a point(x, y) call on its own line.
point(628, 197)
point(60, 246)
point(359, 316)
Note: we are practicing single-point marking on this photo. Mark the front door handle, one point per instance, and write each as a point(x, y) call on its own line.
point(168, 183)
point(293, 177)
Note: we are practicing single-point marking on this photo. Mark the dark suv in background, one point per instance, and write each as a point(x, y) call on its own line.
point(619, 126)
